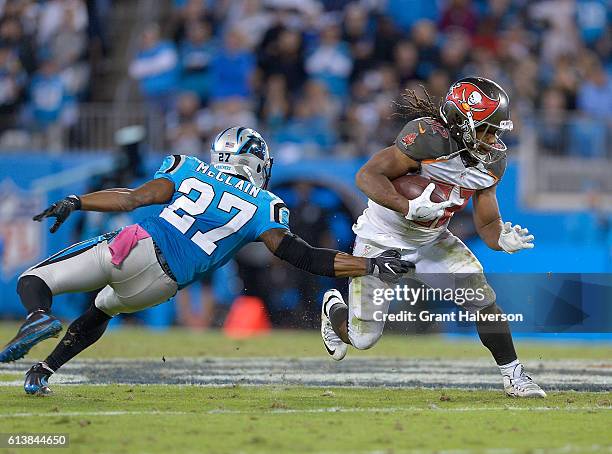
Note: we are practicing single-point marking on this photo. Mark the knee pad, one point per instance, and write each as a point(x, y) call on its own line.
point(33, 286)
point(364, 341)
point(479, 284)
point(34, 293)
point(107, 301)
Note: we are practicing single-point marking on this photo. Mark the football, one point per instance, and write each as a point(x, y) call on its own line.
point(412, 186)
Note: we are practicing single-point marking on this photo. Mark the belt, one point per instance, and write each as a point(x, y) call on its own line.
point(163, 262)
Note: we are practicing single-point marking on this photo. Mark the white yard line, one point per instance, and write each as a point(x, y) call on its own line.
point(578, 375)
point(299, 411)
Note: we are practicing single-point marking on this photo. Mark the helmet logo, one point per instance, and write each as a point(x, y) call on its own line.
point(409, 139)
point(471, 100)
point(474, 99)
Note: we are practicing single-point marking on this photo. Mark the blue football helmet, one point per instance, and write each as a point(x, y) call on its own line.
point(242, 152)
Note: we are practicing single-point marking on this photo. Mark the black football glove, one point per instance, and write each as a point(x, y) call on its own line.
point(60, 210)
point(389, 264)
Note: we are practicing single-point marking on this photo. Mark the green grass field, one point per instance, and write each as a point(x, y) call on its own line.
point(262, 419)
point(144, 343)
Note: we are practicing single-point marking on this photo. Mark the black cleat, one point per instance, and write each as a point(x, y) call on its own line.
point(38, 327)
point(37, 380)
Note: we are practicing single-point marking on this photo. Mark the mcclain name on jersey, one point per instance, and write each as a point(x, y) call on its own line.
point(229, 180)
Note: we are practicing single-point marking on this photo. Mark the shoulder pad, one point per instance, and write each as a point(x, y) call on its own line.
point(192, 160)
point(269, 195)
point(497, 168)
point(425, 138)
point(172, 163)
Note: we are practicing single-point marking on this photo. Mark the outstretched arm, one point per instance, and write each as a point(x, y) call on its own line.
point(123, 199)
point(117, 199)
point(329, 262)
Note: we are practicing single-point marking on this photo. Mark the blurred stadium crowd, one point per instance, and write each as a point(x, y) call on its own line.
point(321, 74)
point(48, 51)
point(317, 78)
point(316, 75)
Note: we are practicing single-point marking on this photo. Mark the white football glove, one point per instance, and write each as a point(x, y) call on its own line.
point(514, 238)
point(423, 209)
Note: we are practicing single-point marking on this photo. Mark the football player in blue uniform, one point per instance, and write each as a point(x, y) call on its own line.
point(210, 212)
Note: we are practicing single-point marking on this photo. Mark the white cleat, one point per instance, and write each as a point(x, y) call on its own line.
point(519, 384)
point(333, 344)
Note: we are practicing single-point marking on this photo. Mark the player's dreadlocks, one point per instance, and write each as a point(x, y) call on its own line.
point(412, 106)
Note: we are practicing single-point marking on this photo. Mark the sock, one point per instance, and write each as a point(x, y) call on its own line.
point(34, 293)
point(496, 336)
point(83, 332)
point(512, 369)
point(46, 367)
point(38, 311)
point(338, 317)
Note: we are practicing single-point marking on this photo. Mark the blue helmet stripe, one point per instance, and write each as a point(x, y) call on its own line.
point(244, 148)
point(238, 134)
point(224, 132)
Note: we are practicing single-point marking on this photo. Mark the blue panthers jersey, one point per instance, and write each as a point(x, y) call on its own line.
point(211, 216)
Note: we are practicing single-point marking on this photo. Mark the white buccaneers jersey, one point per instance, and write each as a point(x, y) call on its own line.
point(427, 141)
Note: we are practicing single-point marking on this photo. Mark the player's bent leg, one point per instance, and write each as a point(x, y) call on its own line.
point(518, 384)
point(141, 282)
point(366, 316)
point(496, 336)
point(365, 334)
point(338, 317)
point(453, 262)
point(37, 380)
point(60, 273)
point(39, 325)
point(138, 283)
point(365, 322)
point(334, 307)
point(82, 333)
point(34, 293)
point(82, 267)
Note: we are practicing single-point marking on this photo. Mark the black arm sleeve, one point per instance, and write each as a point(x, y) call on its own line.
point(302, 255)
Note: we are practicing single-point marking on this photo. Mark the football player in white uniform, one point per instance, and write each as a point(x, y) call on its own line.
point(457, 145)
